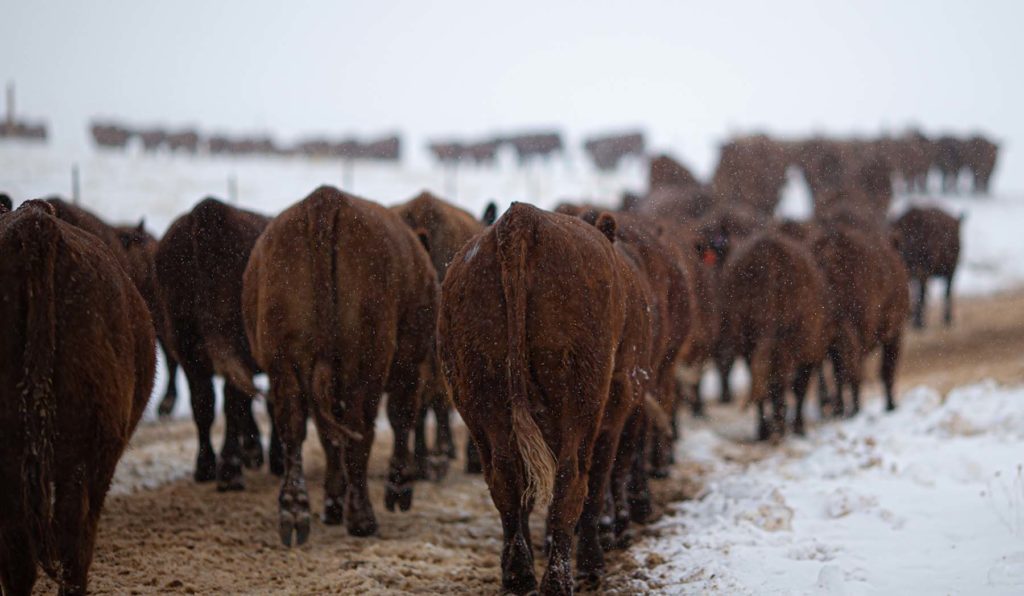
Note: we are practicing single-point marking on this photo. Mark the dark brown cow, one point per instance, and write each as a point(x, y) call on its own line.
point(541, 335)
point(340, 305)
point(199, 266)
point(530, 145)
point(667, 172)
point(911, 158)
point(76, 369)
point(979, 156)
point(140, 248)
point(446, 229)
point(774, 311)
point(152, 139)
point(447, 152)
point(5, 203)
point(949, 159)
point(184, 140)
point(866, 302)
point(606, 152)
point(109, 135)
point(752, 170)
point(929, 241)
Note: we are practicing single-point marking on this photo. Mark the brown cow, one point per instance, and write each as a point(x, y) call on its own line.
point(866, 302)
point(446, 229)
point(130, 248)
point(949, 159)
point(774, 311)
point(541, 336)
point(199, 266)
point(979, 156)
point(140, 248)
point(752, 170)
point(76, 369)
point(340, 305)
point(929, 241)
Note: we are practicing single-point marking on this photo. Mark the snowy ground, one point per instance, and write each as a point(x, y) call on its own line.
point(927, 500)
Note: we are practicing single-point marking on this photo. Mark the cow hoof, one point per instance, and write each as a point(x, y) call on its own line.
point(659, 472)
point(640, 509)
point(362, 528)
point(229, 475)
point(206, 468)
point(474, 467)
point(437, 467)
point(166, 406)
point(334, 511)
point(276, 463)
point(420, 468)
point(519, 583)
point(589, 580)
point(252, 456)
point(297, 523)
point(400, 494)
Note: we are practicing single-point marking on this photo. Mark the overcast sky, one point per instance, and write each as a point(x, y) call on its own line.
point(688, 73)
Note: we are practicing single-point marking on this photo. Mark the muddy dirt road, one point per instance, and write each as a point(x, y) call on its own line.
point(180, 537)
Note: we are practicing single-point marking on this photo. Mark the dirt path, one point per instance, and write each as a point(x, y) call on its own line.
point(185, 538)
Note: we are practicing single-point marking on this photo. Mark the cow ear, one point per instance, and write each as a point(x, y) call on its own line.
point(141, 228)
point(606, 223)
point(421, 233)
point(490, 214)
point(5, 203)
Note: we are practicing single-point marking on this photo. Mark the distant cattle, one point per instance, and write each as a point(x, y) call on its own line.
point(979, 157)
point(531, 145)
point(109, 135)
point(447, 151)
point(152, 139)
point(541, 334)
point(773, 306)
point(446, 229)
point(340, 306)
point(184, 140)
point(911, 158)
point(482, 152)
point(199, 266)
point(949, 159)
point(607, 151)
point(752, 170)
point(929, 241)
point(76, 368)
point(384, 149)
point(20, 129)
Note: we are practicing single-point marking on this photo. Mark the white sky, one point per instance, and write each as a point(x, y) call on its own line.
point(688, 72)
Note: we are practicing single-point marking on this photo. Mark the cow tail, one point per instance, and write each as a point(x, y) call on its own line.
point(37, 402)
point(538, 459)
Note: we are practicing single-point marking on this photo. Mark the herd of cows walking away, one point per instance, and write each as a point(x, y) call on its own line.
point(567, 340)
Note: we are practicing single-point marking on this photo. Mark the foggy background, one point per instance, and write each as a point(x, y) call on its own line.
point(688, 73)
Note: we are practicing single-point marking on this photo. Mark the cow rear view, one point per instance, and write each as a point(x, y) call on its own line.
point(539, 334)
point(76, 368)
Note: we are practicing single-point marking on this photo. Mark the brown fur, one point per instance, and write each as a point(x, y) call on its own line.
point(76, 369)
point(929, 242)
point(340, 306)
point(949, 159)
point(446, 228)
point(979, 157)
point(752, 170)
point(542, 320)
point(199, 266)
point(773, 299)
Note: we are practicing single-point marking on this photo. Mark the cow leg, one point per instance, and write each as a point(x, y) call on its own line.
point(17, 563)
point(444, 448)
point(421, 454)
point(825, 404)
point(840, 374)
point(919, 305)
point(252, 445)
point(589, 553)
point(166, 406)
point(948, 315)
point(275, 453)
point(777, 394)
point(570, 492)
point(763, 428)
point(638, 489)
point(890, 358)
point(229, 469)
point(800, 383)
point(473, 464)
point(290, 415)
point(724, 366)
point(77, 508)
point(200, 387)
point(403, 406)
point(359, 517)
point(504, 478)
point(621, 475)
point(334, 478)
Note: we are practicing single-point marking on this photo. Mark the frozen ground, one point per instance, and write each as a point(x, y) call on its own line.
point(927, 500)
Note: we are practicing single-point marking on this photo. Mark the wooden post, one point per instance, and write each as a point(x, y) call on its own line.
point(75, 185)
point(232, 188)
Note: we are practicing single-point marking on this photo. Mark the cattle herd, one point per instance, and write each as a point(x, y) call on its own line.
point(567, 340)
